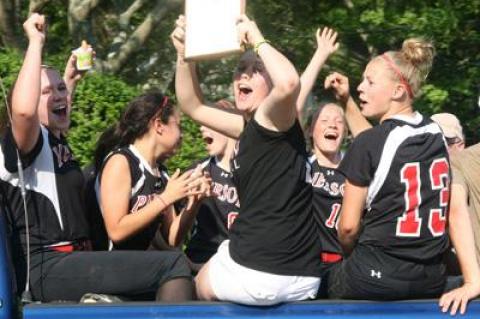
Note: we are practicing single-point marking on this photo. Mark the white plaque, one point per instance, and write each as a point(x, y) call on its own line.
point(211, 31)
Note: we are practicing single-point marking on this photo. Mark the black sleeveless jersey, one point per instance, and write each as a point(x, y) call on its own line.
point(54, 184)
point(144, 187)
point(215, 214)
point(275, 230)
point(405, 165)
point(328, 187)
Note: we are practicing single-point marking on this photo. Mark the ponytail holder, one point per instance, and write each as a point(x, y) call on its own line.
point(395, 69)
point(257, 45)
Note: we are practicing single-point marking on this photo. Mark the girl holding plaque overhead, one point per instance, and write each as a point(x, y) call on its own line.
point(273, 252)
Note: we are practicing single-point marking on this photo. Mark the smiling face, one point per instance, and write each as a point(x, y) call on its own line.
point(215, 142)
point(376, 90)
point(53, 108)
point(329, 130)
point(251, 82)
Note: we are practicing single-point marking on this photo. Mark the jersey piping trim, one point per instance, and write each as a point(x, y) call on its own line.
point(204, 164)
point(415, 120)
point(39, 176)
point(218, 164)
point(142, 165)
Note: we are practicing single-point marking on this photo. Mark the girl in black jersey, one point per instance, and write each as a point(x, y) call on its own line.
point(272, 254)
point(327, 130)
point(394, 215)
point(61, 267)
point(215, 214)
point(138, 203)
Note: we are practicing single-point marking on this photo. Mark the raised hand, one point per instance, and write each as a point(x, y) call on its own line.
point(340, 86)
point(178, 35)
point(71, 72)
point(72, 75)
point(326, 40)
point(35, 28)
point(248, 32)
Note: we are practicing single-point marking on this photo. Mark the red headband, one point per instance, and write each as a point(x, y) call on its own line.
point(164, 102)
point(398, 73)
point(158, 109)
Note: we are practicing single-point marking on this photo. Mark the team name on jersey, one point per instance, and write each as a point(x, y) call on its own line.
point(63, 154)
point(231, 218)
point(226, 193)
point(334, 188)
point(142, 201)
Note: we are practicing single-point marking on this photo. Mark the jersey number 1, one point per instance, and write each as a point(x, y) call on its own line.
point(410, 223)
point(332, 220)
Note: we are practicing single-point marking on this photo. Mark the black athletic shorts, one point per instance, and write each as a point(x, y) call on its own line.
point(370, 274)
point(68, 276)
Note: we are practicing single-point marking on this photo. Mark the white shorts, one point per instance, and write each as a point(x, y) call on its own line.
point(236, 283)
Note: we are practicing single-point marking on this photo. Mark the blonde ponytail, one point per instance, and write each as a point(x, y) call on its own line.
point(414, 62)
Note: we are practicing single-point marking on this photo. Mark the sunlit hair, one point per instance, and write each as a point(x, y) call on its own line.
point(4, 111)
point(258, 65)
point(411, 64)
point(316, 114)
point(133, 123)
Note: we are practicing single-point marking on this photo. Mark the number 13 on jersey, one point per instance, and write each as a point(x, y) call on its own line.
point(410, 223)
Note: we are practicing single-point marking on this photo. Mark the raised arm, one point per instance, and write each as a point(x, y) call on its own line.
point(26, 93)
point(189, 95)
point(461, 234)
point(326, 45)
point(277, 111)
point(356, 122)
point(72, 76)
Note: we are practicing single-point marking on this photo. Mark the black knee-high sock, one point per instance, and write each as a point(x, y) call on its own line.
point(177, 289)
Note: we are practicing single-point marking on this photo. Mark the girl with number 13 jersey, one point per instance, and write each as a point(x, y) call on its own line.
point(398, 178)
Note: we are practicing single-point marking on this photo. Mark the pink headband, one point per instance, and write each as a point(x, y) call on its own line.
point(398, 73)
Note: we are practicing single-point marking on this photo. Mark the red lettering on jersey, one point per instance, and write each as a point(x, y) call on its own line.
point(332, 220)
point(318, 180)
point(231, 218)
point(218, 190)
point(142, 201)
point(225, 193)
point(409, 224)
point(439, 178)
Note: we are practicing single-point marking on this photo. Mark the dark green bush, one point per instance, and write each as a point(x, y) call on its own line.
point(98, 102)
